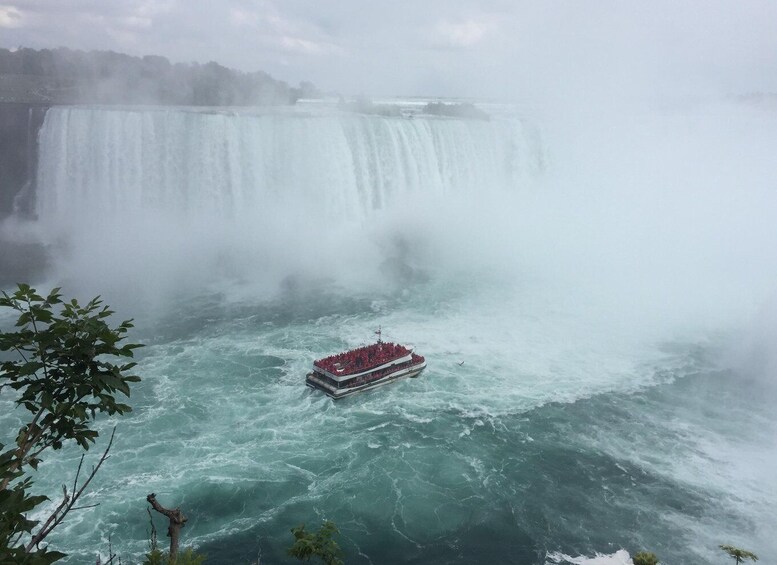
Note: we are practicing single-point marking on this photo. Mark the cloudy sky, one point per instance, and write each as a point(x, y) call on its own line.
point(487, 48)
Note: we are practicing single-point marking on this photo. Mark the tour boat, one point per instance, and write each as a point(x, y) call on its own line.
point(364, 368)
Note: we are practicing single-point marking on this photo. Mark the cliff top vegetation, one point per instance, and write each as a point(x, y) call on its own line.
point(66, 76)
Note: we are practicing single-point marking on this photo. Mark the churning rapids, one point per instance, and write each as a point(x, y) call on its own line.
point(592, 297)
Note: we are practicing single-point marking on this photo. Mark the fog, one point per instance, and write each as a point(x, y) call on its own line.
point(529, 51)
point(657, 218)
point(620, 232)
point(620, 200)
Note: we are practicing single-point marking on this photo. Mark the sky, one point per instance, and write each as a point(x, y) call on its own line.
point(504, 49)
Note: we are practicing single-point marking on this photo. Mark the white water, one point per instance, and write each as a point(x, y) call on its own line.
point(620, 557)
point(570, 294)
point(290, 191)
point(338, 166)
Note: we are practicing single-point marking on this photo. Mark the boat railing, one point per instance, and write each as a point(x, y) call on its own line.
point(343, 376)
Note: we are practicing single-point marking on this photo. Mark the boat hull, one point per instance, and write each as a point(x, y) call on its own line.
point(406, 372)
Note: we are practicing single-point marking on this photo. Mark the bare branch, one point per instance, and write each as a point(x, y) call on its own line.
point(87, 506)
point(69, 504)
point(152, 536)
point(19, 351)
point(97, 467)
point(78, 472)
point(111, 555)
point(52, 518)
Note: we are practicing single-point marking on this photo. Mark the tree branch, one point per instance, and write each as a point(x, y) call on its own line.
point(50, 441)
point(38, 538)
point(87, 506)
point(78, 472)
point(22, 451)
point(68, 504)
point(41, 352)
point(19, 351)
point(152, 534)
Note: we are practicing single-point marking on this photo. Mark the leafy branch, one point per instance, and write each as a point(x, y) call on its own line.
point(60, 368)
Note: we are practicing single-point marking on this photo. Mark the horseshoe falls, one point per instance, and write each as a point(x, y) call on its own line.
point(594, 295)
point(279, 192)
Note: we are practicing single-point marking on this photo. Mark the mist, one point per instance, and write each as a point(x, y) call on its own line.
point(660, 216)
point(588, 261)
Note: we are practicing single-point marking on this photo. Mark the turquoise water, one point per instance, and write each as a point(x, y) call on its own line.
point(520, 454)
point(598, 375)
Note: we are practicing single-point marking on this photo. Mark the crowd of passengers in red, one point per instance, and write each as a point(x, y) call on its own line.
point(361, 359)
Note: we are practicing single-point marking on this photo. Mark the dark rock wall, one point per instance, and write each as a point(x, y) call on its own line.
point(20, 261)
point(19, 127)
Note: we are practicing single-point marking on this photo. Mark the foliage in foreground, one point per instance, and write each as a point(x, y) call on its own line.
point(187, 557)
point(319, 544)
point(55, 367)
point(645, 558)
point(738, 554)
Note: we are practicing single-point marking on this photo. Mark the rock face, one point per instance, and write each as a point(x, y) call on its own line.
point(21, 262)
point(32, 81)
point(19, 126)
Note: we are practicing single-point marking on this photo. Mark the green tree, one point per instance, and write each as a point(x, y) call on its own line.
point(319, 544)
point(645, 558)
point(57, 368)
point(739, 555)
point(186, 557)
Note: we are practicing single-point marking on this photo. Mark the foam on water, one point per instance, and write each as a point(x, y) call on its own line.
point(223, 427)
point(564, 413)
point(620, 557)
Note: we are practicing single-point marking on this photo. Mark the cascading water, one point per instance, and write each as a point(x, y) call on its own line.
point(292, 191)
point(342, 166)
point(563, 414)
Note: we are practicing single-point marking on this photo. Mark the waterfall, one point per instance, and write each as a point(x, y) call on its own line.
point(180, 194)
point(342, 165)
